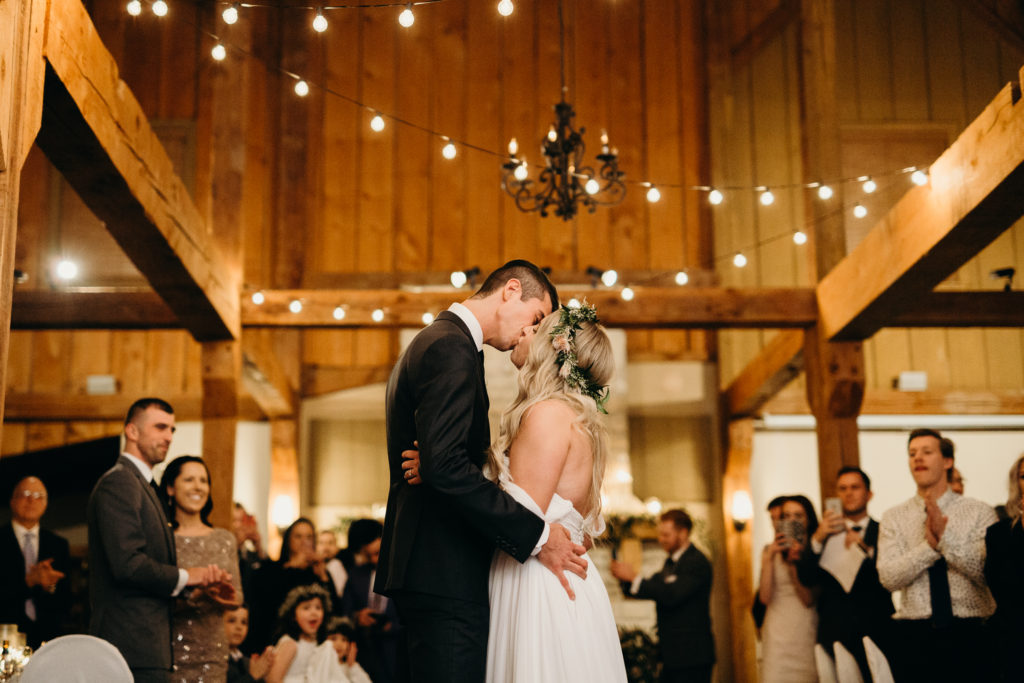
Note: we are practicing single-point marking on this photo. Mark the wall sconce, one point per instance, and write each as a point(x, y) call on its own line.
point(742, 509)
point(459, 278)
point(1004, 273)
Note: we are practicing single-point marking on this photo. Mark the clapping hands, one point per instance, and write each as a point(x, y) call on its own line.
point(215, 582)
point(43, 574)
point(934, 524)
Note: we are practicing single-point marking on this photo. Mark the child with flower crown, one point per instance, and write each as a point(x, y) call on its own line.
point(302, 626)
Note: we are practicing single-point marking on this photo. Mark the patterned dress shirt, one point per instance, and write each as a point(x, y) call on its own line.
point(904, 556)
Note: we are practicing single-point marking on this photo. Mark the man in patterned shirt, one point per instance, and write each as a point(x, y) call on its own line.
point(932, 550)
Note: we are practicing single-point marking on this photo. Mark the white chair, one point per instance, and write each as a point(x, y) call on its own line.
point(77, 659)
point(826, 667)
point(847, 670)
point(877, 662)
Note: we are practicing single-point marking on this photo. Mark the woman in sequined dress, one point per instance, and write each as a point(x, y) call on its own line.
point(197, 629)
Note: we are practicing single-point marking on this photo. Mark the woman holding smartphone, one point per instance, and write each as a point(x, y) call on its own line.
point(791, 621)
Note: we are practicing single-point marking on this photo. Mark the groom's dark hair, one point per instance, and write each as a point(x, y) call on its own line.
point(535, 282)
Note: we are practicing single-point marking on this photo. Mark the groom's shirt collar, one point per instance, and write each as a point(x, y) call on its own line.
point(472, 323)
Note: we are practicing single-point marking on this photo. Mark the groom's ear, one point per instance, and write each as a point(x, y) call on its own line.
point(512, 287)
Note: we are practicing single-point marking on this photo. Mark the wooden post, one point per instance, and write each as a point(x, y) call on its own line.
point(738, 552)
point(284, 477)
point(21, 104)
point(222, 364)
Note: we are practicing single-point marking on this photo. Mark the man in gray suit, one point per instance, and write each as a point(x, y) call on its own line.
point(133, 572)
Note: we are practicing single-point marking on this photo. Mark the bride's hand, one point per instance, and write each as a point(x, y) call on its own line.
point(560, 555)
point(411, 465)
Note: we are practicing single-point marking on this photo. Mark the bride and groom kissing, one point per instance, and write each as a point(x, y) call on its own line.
point(531, 612)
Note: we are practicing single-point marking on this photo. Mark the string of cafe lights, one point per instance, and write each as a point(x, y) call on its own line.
point(716, 195)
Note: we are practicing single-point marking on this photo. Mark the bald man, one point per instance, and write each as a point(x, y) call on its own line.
point(33, 568)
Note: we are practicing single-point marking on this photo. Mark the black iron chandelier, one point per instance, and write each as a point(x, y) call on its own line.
point(564, 185)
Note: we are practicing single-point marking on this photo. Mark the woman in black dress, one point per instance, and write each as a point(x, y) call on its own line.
point(1004, 572)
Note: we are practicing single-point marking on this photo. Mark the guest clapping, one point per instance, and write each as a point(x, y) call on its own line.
point(1004, 572)
point(240, 668)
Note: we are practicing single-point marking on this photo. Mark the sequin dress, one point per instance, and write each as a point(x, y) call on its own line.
point(200, 648)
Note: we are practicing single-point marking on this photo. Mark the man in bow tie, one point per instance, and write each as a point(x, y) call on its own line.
point(682, 593)
point(34, 563)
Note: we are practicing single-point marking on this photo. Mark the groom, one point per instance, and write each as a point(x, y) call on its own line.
point(435, 555)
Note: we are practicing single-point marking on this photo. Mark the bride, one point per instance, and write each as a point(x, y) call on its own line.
point(550, 456)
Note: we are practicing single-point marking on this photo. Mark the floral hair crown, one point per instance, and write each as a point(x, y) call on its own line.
point(563, 339)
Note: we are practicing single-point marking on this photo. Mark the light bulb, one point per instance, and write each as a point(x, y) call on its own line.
point(67, 270)
point(458, 279)
point(319, 22)
point(513, 147)
point(219, 52)
point(505, 8)
point(302, 88)
point(682, 278)
point(767, 198)
point(627, 294)
point(573, 303)
point(800, 237)
point(377, 123)
point(258, 298)
point(552, 133)
point(160, 8)
point(609, 278)
point(739, 260)
point(521, 172)
point(427, 318)
point(919, 177)
point(295, 306)
point(653, 194)
point(449, 151)
point(339, 313)
point(230, 15)
point(715, 197)
point(134, 8)
point(824, 192)
point(592, 186)
point(859, 211)
point(406, 18)
point(377, 315)
point(869, 186)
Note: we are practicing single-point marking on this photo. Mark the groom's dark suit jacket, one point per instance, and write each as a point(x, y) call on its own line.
point(132, 569)
point(439, 536)
point(848, 617)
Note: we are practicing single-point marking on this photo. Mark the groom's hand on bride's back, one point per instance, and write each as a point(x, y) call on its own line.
point(560, 555)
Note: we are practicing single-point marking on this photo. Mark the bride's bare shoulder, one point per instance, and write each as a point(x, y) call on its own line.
point(548, 412)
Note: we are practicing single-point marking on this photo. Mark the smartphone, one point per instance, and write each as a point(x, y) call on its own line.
point(834, 505)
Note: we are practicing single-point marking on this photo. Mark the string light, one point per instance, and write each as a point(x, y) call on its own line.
point(458, 279)
point(859, 211)
point(824, 192)
point(609, 278)
point(377, 123)
point(219, 52)
point(869, 185)
point(295, 306)
point(919, 177)
point(66, 269)
point(134, 8)
point(230, 15)
point(449, 151)
point(258, 298)
point(627, 294)
point(406, 18)
point(653, 195)
point(377, 315)
point(505, 8)
point(715, 197)
point(302, 88)
point(800, 237)
point(160, 8)
point(427, 318)
point(739, 260)
point(767, 198)
point(573, 303)
point(682, 278)
point(339, 313)
point(320, 21)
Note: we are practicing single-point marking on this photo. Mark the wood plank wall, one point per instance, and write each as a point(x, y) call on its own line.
point(912, 74)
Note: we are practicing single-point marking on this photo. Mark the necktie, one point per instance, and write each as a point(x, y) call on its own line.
point(156, 489)
point(942, 603)
point(30, 561)
point(856, 527)
point(669, 566)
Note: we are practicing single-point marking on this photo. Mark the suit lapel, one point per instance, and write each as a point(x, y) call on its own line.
point(871, 534)
point(451, 317)
point(150, 494)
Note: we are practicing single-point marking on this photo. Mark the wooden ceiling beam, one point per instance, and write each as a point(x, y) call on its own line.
point(82, 407)
point(973, 194)
point(95, 133)
point(964, 309)
point(779, 363)
point(264, 377)
point(49, 310)
point(931, 402)
point(652, 307)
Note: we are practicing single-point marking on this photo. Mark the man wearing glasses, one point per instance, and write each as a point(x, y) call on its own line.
point(33, 565)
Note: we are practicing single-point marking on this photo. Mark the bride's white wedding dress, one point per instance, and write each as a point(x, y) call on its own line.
point(539, 635)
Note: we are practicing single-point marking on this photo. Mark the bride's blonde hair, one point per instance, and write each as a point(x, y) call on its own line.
point(540, 380)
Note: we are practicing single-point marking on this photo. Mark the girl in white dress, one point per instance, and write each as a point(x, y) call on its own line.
point(550, 456)
point(302, 624)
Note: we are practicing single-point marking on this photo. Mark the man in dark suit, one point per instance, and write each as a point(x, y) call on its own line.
point(682, 595)
point(439, 537)
point(852, 536)
point(33, 566)
point(133, 575)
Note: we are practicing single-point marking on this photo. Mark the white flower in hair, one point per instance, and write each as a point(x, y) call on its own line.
point(560, 342)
